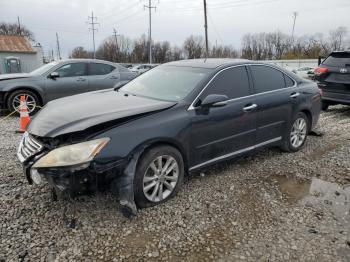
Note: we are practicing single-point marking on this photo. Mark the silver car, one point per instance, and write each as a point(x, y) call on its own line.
point(59, 79)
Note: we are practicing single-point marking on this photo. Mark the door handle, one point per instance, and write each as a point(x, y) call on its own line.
point(249, 107)
point(294, 95)
point(114, 77)
point(81, 79)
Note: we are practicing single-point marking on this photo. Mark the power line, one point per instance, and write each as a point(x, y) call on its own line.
point(93, 29)
point(150, 7)
point(215, 29)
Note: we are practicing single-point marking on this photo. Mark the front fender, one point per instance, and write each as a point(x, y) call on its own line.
point(11, 87)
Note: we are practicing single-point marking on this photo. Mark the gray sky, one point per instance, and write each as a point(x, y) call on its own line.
point(173, 20)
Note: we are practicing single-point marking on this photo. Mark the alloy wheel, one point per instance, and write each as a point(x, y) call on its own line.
point(160, 178)
point(29, 99)
point(298, 133)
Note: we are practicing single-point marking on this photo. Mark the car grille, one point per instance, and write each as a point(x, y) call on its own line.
point(28, 147)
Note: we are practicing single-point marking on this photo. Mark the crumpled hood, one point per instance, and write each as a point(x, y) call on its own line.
point(79, 112)
point(14, 76)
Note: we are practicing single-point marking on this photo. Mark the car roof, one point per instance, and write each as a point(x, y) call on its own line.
point(86, 60)
point(209, 63)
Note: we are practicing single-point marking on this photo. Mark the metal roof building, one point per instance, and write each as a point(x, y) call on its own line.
point(17, 55)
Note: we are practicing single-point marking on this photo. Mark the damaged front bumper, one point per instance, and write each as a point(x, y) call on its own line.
point(98, 174)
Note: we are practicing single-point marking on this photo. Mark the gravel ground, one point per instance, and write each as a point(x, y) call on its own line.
point(270, 206)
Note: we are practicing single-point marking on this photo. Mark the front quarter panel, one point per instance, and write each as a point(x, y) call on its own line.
point(34, 83)
point(170, 126)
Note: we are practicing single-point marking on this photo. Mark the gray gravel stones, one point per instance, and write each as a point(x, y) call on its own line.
point(270, 206)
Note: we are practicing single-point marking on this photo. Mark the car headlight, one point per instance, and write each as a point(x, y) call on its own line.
point(73, 154)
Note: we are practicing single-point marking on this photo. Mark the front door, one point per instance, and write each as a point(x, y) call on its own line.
point(221, 132)
point(71, 80)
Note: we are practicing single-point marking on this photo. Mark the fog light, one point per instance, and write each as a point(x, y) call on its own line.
point(36, 177)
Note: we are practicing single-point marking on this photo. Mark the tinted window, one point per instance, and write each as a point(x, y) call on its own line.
point(267, 79)
point(289, 81)
point(100, 69)
point(74, 69)
point(231, 82)
point(338, 59)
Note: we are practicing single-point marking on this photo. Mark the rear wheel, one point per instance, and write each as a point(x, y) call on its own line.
point(159, 176)
point(296, 135)
point(32, 101)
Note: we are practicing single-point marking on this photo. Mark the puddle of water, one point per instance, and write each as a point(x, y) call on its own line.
point(316, 192)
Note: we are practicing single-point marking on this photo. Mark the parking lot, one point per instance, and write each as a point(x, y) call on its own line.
point(270, 206)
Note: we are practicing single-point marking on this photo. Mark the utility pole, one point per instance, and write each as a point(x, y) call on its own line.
point(58, 48)
point(206, 29)
point(116, 43)
point(19, 26)
point(295, 14)
point(150, 7)
point(93, 29)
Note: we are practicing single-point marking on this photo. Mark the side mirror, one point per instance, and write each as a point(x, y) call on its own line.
point(214, 101)
point(54, 75)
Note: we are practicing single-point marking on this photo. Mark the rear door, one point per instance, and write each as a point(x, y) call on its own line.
point(102, 76)
point(337, 79)
point(276, 98)
point(220, 132)
point(72, 80)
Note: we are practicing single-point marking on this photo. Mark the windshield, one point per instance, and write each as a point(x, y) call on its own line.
point(168, 83)
point(43, 69)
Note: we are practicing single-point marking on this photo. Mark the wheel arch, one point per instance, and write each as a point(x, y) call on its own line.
point(27, 88)
point(146, 146)
point(308, 114)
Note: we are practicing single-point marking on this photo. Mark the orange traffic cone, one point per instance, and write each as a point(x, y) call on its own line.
point(23, 115)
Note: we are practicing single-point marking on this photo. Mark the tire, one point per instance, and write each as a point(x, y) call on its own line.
point(293, 143)
point(324, 106)
point(146, 175)
point(32, 100)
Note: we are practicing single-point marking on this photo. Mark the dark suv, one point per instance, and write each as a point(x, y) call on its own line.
point(333, 77)
point(170, 121)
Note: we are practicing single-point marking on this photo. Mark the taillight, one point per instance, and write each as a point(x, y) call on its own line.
point(320, 70)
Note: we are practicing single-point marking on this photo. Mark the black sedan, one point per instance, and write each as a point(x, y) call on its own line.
point(175, 119)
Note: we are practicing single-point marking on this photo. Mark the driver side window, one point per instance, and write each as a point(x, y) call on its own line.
point(71, 70)
point(232, 82)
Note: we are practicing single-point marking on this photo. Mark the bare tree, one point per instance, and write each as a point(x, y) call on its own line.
point(223, 52)
point(194, 47)
point(337, 38)
point(162, 52)
point(140, 50)
point(13, 29)
point(80, 52)
point(176, 54)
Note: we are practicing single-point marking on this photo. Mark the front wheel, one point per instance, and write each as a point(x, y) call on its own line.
point(159, 176)
point(30, 98)
point(296, 135)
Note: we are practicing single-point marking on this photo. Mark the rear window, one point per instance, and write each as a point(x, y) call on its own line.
point(100, 69)
point(267, 78)
point(338, 59)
